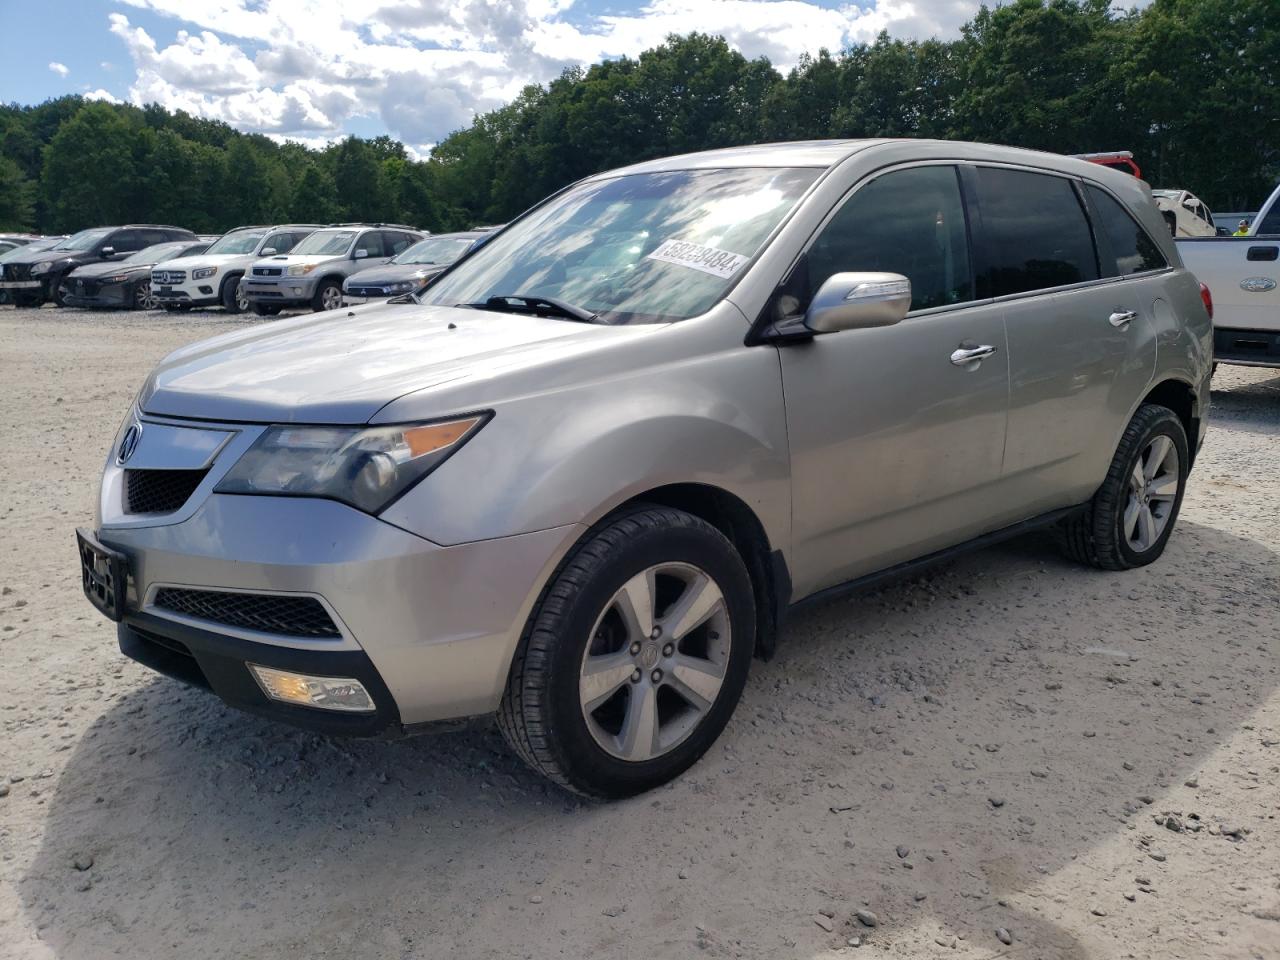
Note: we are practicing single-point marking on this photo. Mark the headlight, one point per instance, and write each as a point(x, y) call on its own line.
point(43, 267)
point(301, 270)
point(366, 467)
point(402, 286)
point(203, 272)
point(118, 278)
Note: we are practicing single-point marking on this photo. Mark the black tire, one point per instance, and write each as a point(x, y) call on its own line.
point(1096, 535)
point(265, 309)
point(326, 290)
point(55, 292)
point(138, 300)
point(541, 716)
point(230, 295)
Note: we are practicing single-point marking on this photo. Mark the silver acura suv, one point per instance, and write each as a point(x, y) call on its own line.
point(578, 481)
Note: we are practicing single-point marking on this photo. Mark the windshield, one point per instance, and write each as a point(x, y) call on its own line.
point(434, 250)
point(84, 240)
point(643, 248)
point(326, 241)
point(237, 243)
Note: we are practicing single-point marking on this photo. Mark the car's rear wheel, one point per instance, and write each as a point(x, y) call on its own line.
point(635, 656)
point(328, 296)
point(232, 295)
point(265, 309)
point(143, 299)
point(1129, 520)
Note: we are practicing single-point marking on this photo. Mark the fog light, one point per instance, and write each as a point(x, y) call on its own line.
point(297, 291)
point(327, 693)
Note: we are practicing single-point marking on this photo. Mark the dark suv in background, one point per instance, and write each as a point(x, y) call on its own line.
point(30, 281)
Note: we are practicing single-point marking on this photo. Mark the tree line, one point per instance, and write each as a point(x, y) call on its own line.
point(1190, 86)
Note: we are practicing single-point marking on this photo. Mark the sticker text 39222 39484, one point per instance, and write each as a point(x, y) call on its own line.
point(695, 256)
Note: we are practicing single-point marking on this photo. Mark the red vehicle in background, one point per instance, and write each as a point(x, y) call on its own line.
point(1121, 160)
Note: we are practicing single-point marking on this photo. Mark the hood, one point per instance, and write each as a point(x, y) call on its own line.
point(108, 268)
point(207, 260)
point(343, 366)
point(290, 259)
point(52, 256)
point(392, 273)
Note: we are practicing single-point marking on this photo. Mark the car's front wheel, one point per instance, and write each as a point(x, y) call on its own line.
point(635, 656)
point(143, 298)
point(232, 296)
point(1130, 518)
point(328, 296)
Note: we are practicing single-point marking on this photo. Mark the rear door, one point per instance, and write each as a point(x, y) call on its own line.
point(1081, 338)
point(895, 446)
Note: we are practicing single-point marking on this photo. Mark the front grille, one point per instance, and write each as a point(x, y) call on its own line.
point(17, 271)
point(268, 271)
point(265, 612)
point(368, 291)
point(159, 491)
point(168, 277)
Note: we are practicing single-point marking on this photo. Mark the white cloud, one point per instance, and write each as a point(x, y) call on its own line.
point(304, 69)
point(61, 69)
point(101, 94)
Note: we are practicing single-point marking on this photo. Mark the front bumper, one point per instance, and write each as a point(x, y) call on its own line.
point(105, 296)
point(192, 293)
point(438, 625)
point(280, 291)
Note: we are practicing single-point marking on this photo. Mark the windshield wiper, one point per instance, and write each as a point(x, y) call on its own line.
point(540, 306)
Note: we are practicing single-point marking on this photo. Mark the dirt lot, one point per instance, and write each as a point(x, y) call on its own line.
point(1090, 761)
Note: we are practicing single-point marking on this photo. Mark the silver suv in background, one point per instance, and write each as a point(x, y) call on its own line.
point(579, 480)
point(213, 278)
point(311, 275)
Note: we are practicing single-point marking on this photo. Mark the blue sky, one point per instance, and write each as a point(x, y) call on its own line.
point(314, 70)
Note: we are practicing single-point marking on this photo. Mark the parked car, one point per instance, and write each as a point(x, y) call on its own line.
point(11, 241)
point(1185, 214)
point(39, 243)
point(33, 280)
point(213, 279)
point(312, 274)
point(123, 284)
point(581, 499)
point(409, 271)
point(1243, 274)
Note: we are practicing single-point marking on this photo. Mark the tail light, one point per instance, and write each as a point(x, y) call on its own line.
point(1207, 297)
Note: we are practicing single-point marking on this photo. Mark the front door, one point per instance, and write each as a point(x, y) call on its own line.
point(895, 444)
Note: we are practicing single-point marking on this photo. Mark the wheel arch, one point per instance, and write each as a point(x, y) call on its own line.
point(1180, 397)
point(733, 517)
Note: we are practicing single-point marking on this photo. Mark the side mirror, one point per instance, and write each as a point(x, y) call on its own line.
point(361, 253)
point(108, 252)
point(267, 251)
point(852, 301)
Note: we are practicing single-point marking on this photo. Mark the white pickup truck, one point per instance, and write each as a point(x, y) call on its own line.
point(1243, 277)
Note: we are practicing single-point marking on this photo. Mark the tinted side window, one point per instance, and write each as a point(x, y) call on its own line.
point(395, 242)
point(909, 222)
point(283, 242)
point(371, 242)
point(1034, 233)
point(1133, 249)
point(125, 240)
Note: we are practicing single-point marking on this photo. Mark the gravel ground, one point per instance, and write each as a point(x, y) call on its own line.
point(1007, 756)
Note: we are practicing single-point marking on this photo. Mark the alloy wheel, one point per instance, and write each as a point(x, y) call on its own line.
point(1153, 489)
point(330, 298)
point(143, 297)
point(656, 661)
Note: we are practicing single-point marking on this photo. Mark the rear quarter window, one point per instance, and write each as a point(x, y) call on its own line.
point(1035, 235)
point(1128, 248)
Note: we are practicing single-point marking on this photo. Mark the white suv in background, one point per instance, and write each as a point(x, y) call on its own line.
point(213, 278)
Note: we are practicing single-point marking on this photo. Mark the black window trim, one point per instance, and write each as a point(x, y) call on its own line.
point(1168, 266)
point(762, 322)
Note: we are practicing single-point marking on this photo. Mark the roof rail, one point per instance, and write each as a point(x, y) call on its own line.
point(396, 226)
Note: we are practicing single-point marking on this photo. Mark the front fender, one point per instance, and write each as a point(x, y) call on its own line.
point(573, 454)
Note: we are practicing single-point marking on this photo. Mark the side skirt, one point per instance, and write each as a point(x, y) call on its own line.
point(909, 567)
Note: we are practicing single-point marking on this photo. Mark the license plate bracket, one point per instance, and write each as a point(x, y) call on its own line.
point(103, 574)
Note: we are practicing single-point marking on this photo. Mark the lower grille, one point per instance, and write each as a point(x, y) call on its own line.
point(159, 491)
point(268, 613)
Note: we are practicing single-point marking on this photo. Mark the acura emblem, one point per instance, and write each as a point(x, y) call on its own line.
point(1257, 284)
point(129, 442)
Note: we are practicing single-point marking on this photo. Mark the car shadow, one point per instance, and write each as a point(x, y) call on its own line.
point(996, 718)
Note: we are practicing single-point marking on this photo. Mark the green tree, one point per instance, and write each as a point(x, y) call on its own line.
point(88, 171)
point(314, 197)
point(17, 197)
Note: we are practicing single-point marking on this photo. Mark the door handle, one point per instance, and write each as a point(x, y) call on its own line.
point(966, 355)
point(1121, 317)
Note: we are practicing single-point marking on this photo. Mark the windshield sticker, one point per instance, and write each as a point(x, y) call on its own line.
point(718, 263)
